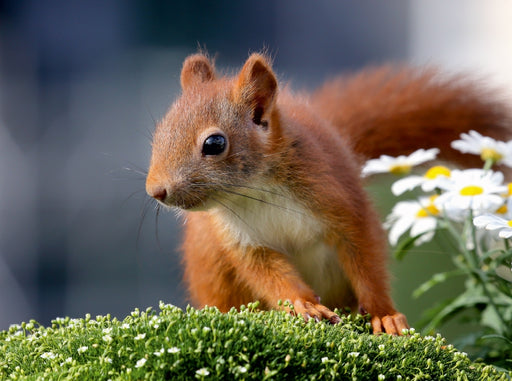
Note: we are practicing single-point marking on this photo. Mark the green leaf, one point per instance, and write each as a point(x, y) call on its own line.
point(491, 319)
point(499, 337)
point(405, 245)
point(435, 280)
point(463, 301)
point(496, 254)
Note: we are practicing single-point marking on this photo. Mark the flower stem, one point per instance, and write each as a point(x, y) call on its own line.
point(488, 164)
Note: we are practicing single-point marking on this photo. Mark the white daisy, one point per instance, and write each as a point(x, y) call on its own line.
point(488, 148)
point(473, 190)
point(501, 226)
point(400, 165)
point(417, 216)
point(428, 182)
point(505, 210)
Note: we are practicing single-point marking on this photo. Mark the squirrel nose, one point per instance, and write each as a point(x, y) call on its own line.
point(157, 192)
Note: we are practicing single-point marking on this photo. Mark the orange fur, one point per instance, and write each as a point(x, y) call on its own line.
point(275, 209)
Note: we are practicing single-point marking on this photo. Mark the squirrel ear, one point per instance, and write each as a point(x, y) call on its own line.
point(257, 85)
point(197, 68)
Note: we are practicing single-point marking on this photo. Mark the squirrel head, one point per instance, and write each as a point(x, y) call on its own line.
point(217, 135)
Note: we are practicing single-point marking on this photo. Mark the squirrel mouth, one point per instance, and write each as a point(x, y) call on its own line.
point(189, 204)
point(187, 201)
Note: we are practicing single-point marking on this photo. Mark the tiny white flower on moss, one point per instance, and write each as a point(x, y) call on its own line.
point(203, 372)
point(125, 326)
point(140, 363)
point(69, 360)
point(48, 356)
point(107, 338)
point(159, 353)
point(400, 165)
point(488, 148)
point(473, 190)
point(173, 350)
point(82, 349)
point(353, 354)
point(325, 359)
point(107, 330)
point(428, 182)
point(140, 336)
point(417, 216)
point(16, 327)
point(501, 226)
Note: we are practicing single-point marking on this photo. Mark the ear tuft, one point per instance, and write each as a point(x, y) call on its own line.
point(197, 69)
point(257, 85)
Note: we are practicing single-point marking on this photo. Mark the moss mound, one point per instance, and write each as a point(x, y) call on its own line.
point(182, 345)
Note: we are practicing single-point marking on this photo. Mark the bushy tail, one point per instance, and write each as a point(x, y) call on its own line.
point(396, 111)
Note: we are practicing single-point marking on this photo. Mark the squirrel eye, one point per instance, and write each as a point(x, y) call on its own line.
point(214, 145)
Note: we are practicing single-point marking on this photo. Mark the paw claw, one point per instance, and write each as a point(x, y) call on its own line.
point(314, 310)
point(390, 324)
point(335, 319)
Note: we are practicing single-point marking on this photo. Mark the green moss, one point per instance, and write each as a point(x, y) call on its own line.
point(175, 344)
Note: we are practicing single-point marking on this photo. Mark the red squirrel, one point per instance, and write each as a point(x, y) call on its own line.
point(269, 182)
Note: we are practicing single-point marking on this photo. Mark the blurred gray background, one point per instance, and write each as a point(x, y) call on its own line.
point(82, 83)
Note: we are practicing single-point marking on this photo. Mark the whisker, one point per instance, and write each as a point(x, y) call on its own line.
point(143, 214)
point(264, 202)
point(136, 171)
point(235, 185)
point(132, 167)
point(223, 189)
point(275, 193)
point(123, 203)
point(233, 212)
point(157, 236)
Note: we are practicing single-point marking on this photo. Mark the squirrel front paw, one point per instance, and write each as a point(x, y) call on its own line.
point(391, 324)
point(309, 310)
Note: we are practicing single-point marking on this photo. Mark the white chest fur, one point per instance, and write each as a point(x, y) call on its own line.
point(270, 218)
point(274, 219)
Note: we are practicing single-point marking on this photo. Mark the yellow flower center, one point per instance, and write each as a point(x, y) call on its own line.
point(509, 186)
point(490, 154)
point(400, 169)
point(471, 190)
point(509, 223)
point(502, 209)
point(429, 210)
point(438, 170)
